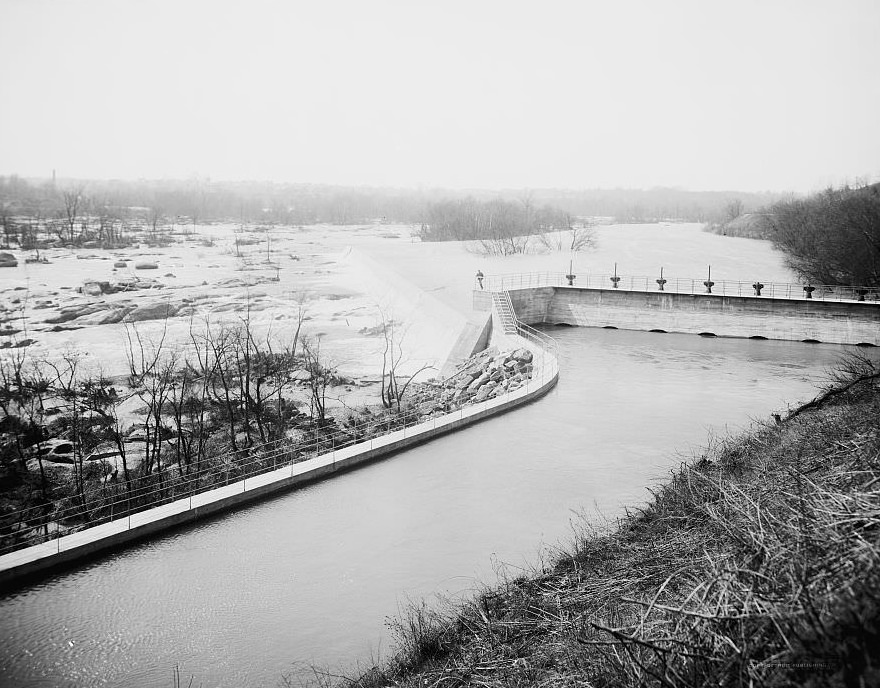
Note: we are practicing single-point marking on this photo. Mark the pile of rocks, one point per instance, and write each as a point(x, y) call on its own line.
point(489, 374)
point(485, 375)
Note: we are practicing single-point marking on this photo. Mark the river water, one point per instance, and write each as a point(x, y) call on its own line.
point(310, 577)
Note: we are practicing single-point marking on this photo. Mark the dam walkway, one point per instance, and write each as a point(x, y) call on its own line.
point(768, 290)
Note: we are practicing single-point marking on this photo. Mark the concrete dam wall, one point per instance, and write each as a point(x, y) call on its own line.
point(837, 322)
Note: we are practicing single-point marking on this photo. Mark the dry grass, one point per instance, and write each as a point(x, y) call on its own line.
point(756, 565)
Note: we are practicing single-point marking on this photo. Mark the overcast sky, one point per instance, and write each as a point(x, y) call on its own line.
point(703, 94)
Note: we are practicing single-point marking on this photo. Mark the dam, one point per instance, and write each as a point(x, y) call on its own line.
point(417, 524)
point(803, 313)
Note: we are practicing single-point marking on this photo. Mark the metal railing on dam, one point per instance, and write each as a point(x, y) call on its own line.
point(839, 315)
point(120, 513)
point(641, 283)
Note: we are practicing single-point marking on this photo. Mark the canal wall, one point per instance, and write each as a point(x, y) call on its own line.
point(21, 566)
point(833, 322)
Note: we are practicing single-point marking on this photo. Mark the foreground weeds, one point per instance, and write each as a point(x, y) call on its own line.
point(756, 565)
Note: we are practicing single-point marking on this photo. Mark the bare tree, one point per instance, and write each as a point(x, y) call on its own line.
point(13, 396)
point(283, 360)
point(10, 227)
point(581, 237)
point(66, 373)
point(222, 346)
point(151, 374)
point(733, 209)
point(567, 234)
point(392, 392)
point(38, 384)
point(73, 200)
point(110, 225)
point(115, 432)
point(195, 402)
point(320, 377)
point(269, 374)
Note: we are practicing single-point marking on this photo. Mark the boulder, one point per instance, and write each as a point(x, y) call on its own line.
point(153, 311)
point(523, 355)
point(483, 394)
point(111, 316)
point(74, 312)
point(120, 264)
point(55, 449)
point(462, 381)
point(478, 382)
point(7, 260)
point(468, 376)
point(136, 284)
point(95, 288)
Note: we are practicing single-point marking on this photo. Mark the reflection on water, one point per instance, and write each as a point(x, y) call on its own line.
point(310, 577)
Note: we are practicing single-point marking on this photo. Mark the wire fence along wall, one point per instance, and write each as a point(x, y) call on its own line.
point(118, 501)
point(770, 290)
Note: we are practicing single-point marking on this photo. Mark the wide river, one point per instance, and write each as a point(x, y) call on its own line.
point(312, 577)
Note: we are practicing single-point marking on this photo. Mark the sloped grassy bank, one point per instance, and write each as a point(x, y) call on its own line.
point(757, 564)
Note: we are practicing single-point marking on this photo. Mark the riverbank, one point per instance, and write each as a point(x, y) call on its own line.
point(759, 563)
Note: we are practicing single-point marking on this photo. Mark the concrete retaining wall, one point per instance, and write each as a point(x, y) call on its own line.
point(474, 338)
point(730, 316)
point(533, 305)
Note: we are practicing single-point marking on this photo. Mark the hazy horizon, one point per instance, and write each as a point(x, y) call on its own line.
point(62, 180)
point(728, 96)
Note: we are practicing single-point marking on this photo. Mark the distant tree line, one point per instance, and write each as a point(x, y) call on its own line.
point(832, 237)
point(78, 211)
